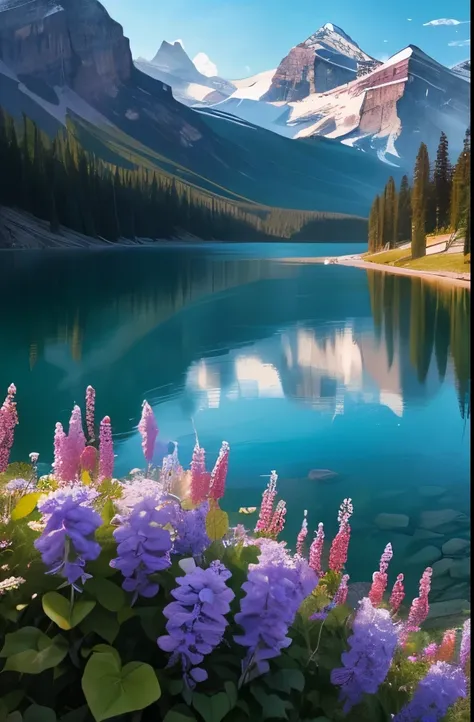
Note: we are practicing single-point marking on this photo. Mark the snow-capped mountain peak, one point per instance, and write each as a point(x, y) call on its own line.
point(463, 69)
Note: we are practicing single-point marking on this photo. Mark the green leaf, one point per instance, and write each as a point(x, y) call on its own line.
point(272, 705)
point(180, 713)
point(14, 717)
point(217, 524)
point(13, 699)
point(108, 594)
point(108, 512)
point(36, 713)
point(212, 709)
point(17, 470)
point(29, 651)
point(231, 690)
point(112, 690)
point(103, 623)
point(76, 715)
point(284, 680)
point(26, 505)
point(58, 609)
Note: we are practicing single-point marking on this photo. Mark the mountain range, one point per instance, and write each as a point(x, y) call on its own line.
point(68, 62)
point(328, 86)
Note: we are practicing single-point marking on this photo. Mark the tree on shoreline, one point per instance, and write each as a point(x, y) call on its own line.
point(404, 211)
point(420, 199)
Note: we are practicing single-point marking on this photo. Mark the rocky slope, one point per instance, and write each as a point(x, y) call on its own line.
point(463, 69)
point(324, 61)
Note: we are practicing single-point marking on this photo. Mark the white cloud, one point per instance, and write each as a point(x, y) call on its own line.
point(180, 42)
point(445, 21)
point(205, 65)
point(459, 43)
point(409, 19)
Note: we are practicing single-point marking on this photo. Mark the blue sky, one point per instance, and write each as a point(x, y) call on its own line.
point(243, 37)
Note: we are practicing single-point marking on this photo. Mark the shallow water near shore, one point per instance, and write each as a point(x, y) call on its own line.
point(301, 368)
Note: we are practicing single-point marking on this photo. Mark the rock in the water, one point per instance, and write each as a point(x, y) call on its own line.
point(461, 569)
point(454, 546)
point(426, 534)
point(449, 607)
point(436, 518)
point(442, 567)
point(321, 474)
point(392, 521)
point(427, 555)
point(431, 490)
point(453, 591)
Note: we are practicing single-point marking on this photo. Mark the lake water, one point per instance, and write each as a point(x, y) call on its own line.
point(299, 367)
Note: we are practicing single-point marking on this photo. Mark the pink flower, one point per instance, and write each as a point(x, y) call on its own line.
point(316, 550)
point(445, 652)
point(398, 594)
point(341, 594)
point(302, 535)
point(419, 607)
point(340, 544)
point(429, 652)
point(68, 449)
point(89, 459)
point(266, 508)
point(149, 431)
point(106, 450)
point(200, 478)
point(90, 412)
point(219, 473)
point(465, 650)
point(380, 578)
point(8, 421)
point(277, 523)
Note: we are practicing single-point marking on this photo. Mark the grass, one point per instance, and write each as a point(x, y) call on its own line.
point(453, 262)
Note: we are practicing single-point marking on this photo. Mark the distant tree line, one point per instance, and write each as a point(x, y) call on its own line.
point(61, 182)
point(437, 201)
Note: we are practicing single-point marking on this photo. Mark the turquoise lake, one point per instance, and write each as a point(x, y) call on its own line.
point(300, 367)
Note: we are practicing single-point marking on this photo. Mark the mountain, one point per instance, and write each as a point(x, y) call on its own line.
point(327, 59)
point(386, 111)
point(463, 69)
point(173, 66)
point(70, 60)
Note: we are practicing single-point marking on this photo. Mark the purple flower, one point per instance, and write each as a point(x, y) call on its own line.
point(149, 431)
point(373, 642)
point(275, 588)
point(196, 620)
point(67, 541)
point(17, 485)
point(192, 539)
point(143, 546)
point(465, 649)
point(435, 694)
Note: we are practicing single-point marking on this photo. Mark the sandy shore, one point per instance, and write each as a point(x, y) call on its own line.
point(462, 280)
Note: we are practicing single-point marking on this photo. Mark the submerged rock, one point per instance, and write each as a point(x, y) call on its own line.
point(431, 490)
point(435, 519)
point(449, 607)
point(454, 546)
point(461, 569)
point(427, 555)
point(392, 521)
point(442, 566)
point(321, 474)
point(421, 534)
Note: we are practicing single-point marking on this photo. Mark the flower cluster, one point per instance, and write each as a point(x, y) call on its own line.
point(171, 469)
point(196, 620)
point(277, 523)
point(191, 537)
point(441, 687)
point(465, 650)
point(90, 412)
point(219, 473)
point(419, 607)
point(303, 533)
point(68, 449)
point(67, 541)
point(373, 642)
point(200, 478)
point(316, 550)
point(275, 589)
point(398, 594)
point(445, 651)
point(106, 450)
point(380, 578)
point(8, 421)
point(143, 546)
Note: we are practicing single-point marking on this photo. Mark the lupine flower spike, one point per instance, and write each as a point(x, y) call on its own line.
point(200, 478)
point(277, 523)
point(266, 508)
point(316, 550)
point(398, 594)
point(8, 421)
point(302, 535)
point(106, 450)
point(445, 651)
point(148, 429)
point(373, 642)
point(380, 578)
point(340, 544)
point(419, 607)
point(341, 595)
point(90, 413)
point(435, 694)
point(465, 650)
point(219, 473)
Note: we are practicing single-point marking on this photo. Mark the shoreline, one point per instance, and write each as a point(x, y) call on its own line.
point(357, 262)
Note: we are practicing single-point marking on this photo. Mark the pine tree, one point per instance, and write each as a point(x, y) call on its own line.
point(467, 232)
point(374, 226)
point(442, 184)
point(404, 211)
point(461, 185)
point(420, 197)
point(389, 213)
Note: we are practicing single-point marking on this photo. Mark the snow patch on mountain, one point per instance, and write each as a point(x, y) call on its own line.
point(205, 65)
point(254, 87)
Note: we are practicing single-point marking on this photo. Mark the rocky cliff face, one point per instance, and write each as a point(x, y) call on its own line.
point(65, 43)
point(324, 61)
